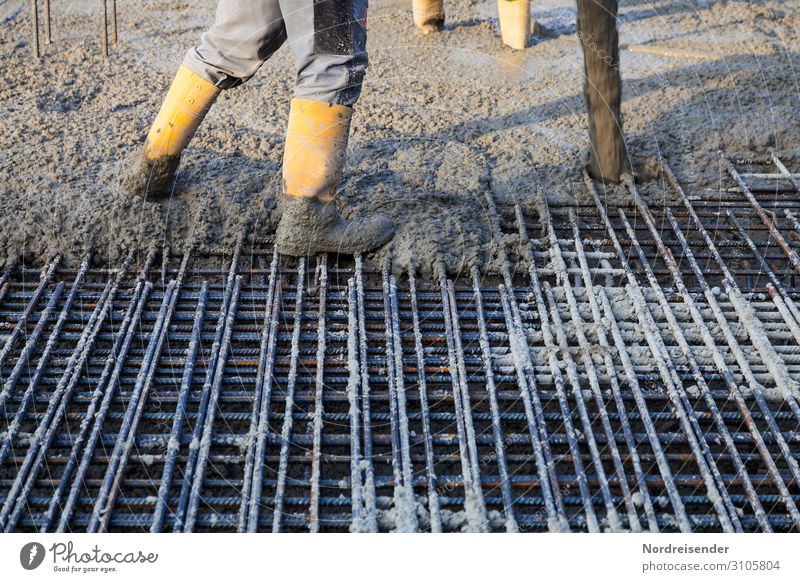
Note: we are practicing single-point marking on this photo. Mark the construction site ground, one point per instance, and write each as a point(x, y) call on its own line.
point(443, 119)
point(535, 352)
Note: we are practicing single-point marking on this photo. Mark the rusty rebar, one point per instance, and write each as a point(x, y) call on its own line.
point(491, 388)
point(319, 387)
point(173, 445)
point(793, 257)
point(498, 375)
point(288, 419)
point(736, 350)
point(38, 446)
point(678, 334)
point(611, 371)
point(557, 259)
point(358, 509)
point(434, 507)
point(371, 517)
point(405, 511)
point(470, 469)
point(261, 404)
point(528, 385)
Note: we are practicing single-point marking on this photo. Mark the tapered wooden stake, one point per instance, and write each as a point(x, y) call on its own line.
point(597, 33)
point(47, 33)
point(35, 28)
point(105, 27)
point(114, 21)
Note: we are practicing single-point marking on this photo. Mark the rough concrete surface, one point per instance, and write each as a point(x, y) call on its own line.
point(443, 118)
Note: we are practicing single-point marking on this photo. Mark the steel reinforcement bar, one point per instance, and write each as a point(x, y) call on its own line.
point(625, 368)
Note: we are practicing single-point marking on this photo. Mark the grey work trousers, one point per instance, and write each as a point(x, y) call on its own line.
point(327, 38)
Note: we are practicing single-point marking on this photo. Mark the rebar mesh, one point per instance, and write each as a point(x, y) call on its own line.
point(635, 369)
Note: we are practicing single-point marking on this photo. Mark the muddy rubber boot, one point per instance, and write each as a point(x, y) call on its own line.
point(149, 178)
point(316, 142)
point(515, 22)
point(152, 172)
point(309, 225)
point(428, 15)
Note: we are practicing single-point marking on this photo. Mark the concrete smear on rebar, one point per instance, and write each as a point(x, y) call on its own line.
point(443, 119)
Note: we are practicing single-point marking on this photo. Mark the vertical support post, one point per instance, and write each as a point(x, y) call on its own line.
point(47, 36)
point(105, 27)
point(602, 88)
point(113, 21)
point(35, 28)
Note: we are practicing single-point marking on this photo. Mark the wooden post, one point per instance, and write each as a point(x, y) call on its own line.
point(48, 37)
point(105, 27)
point(114, 21)
point(602, 88)
point(35, 29)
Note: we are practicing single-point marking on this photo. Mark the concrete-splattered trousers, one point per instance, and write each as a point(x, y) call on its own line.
point(327, 39)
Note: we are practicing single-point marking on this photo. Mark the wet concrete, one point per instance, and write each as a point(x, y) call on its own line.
point(444, 119)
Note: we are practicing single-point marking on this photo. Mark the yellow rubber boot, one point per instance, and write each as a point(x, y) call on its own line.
point(316, 144)
point(428, 15)
point(188, 101)
point(515, 22)
point(184, 108)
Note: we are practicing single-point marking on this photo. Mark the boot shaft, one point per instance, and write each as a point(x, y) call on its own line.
point(316, 144)
point(188, 101)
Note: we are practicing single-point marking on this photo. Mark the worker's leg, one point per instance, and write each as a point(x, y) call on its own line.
point(244, 35)
point(328, 41)
point(597, 32)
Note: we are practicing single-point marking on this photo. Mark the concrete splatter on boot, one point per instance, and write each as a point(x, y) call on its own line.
point(309, 225)
point(152, 172)
point(149, 178)
point(316, 142)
